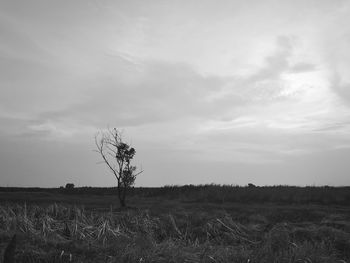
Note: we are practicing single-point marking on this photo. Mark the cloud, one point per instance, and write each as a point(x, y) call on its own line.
point(129, 91)
point(336, 126)
point(334, 42)
point(341, 87)
point(141, 93)
point(49, 129)
point(277, 63)
point(302, 67)
point(17, 43)
point(264, 85)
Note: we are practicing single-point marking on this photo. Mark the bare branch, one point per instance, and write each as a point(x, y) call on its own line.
point(100, 147)
point(140, 172)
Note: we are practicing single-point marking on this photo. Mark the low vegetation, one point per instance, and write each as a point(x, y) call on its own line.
point(175, 230)
point(211, 193)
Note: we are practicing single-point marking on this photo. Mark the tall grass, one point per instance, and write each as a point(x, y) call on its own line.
point(63, 233)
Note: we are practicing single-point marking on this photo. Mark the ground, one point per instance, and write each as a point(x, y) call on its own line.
point(52, 226)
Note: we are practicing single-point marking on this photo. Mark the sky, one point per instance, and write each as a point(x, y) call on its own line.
point(225, 92)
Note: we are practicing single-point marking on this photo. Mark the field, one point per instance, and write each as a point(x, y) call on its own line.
point(208, 223)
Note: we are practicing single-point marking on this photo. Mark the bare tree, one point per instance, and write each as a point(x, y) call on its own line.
point(118, 156)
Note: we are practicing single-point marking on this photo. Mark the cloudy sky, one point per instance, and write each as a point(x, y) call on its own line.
point(227, 91)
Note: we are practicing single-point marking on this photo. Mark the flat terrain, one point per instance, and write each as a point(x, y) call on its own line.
point(195, 224)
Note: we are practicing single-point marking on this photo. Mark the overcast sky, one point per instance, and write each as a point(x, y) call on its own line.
point(230, 92)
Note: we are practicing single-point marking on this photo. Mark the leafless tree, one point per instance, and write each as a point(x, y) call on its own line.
point(118, 156)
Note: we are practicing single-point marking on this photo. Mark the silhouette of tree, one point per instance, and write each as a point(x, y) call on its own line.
point(117, 155)
point(69, 186)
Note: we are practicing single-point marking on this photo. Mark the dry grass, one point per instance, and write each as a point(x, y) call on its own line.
point(64, 233)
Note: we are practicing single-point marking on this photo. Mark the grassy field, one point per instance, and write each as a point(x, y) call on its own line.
point(178, 224)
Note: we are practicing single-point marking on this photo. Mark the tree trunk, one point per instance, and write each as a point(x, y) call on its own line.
point(121, 195)
point(122, 203)
point(124, 193)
